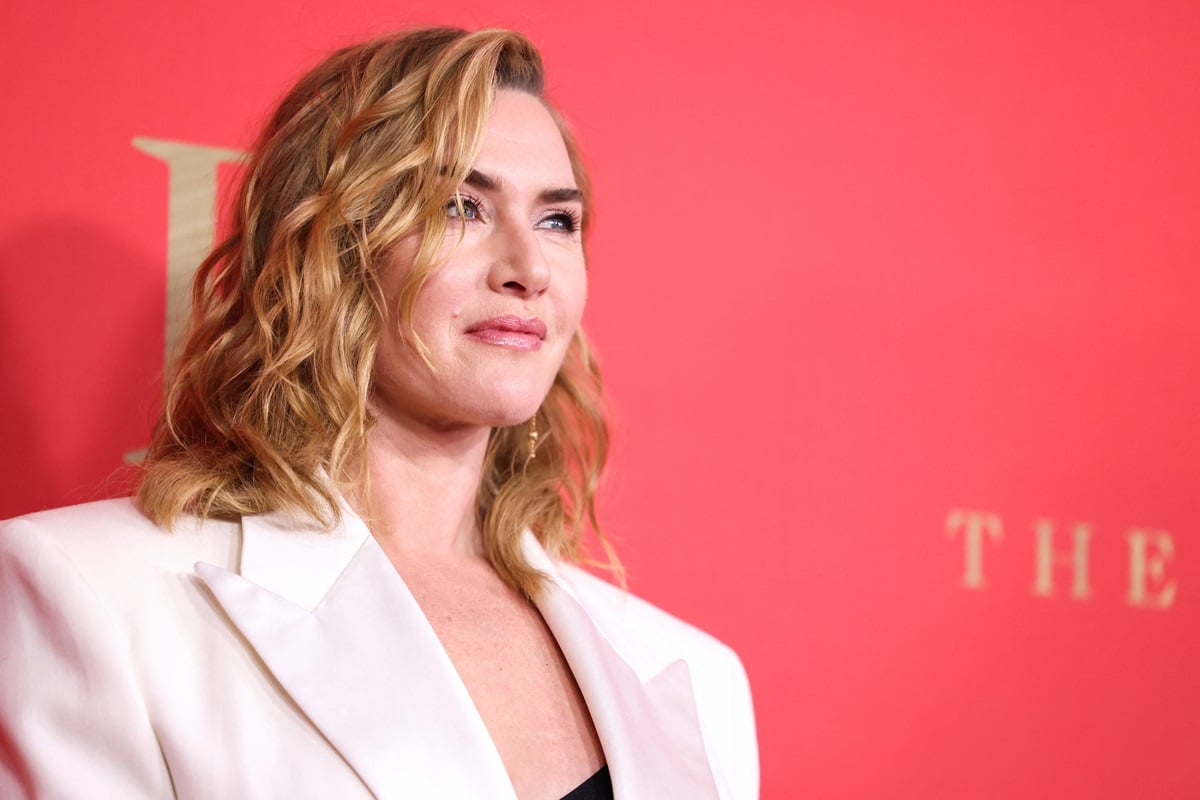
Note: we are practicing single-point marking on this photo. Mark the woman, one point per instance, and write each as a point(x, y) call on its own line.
point(347, 569)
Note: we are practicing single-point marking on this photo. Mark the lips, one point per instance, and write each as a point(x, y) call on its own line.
point(509, 330)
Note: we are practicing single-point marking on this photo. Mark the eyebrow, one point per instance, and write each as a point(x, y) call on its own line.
point(566, 194)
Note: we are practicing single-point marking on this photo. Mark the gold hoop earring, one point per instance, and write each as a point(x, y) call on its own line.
point(533, 437)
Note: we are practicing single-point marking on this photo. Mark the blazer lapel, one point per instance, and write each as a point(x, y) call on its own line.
point(336, 626)
point(645, 714)
point(334, 623)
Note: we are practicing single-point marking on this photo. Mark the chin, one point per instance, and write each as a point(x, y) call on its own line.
point(516, 414)
point(507, 405)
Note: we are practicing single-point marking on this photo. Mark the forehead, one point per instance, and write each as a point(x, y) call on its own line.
point(522, 145)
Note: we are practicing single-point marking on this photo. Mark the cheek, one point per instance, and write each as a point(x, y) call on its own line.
point(444, 297)
point(573, 297)
point(576, 311)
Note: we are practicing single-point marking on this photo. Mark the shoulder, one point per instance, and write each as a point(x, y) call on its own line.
point(87, 523)
point(81, 525)
point(79, 587)
point(111, 545)
point(651, 640)
point(641, 629)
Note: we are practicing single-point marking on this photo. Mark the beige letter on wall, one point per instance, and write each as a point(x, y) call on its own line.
point(974, 525)
point(1146, 567)
point(1045, 559)
point(191, 218)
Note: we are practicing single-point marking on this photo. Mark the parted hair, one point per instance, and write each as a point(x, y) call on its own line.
point(266, 408)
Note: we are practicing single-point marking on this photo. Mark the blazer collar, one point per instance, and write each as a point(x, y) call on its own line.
point(644, 709)
point(335, 624)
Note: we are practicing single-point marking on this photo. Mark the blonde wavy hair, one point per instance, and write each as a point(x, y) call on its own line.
point(267, 406)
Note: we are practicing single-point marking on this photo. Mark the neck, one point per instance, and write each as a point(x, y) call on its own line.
point(422, 489)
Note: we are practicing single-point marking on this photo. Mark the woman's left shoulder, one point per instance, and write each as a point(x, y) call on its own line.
point(652, 640)
point(643, 627)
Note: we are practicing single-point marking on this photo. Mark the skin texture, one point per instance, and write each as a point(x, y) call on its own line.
point(517, 257)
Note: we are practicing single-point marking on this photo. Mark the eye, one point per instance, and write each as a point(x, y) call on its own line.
point(563, 221)
point(471, 208)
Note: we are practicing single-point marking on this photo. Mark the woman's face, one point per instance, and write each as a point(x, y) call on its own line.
point(498, 314)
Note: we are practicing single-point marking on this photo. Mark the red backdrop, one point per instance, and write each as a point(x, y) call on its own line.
point(896, 304)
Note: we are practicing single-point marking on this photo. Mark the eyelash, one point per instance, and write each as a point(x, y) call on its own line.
point(468, 203)
point(572, 218)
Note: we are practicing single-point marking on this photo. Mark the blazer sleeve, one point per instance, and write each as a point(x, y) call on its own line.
point(72, 720)
point(745, 744)
point(731, 733)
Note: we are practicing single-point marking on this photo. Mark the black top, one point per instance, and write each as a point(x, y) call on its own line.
point(597, 787)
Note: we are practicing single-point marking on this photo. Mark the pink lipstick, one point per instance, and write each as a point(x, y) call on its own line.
point(509, 330)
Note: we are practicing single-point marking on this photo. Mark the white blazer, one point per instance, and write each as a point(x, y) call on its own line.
point(268, 660)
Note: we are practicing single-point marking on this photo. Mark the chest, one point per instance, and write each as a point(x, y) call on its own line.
point(517, 678)
point(410, 683)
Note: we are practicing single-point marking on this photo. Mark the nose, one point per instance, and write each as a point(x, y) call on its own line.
point(519, 266)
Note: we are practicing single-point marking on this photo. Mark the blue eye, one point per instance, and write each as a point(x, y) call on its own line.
point(470, 208)
point(562, 221)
